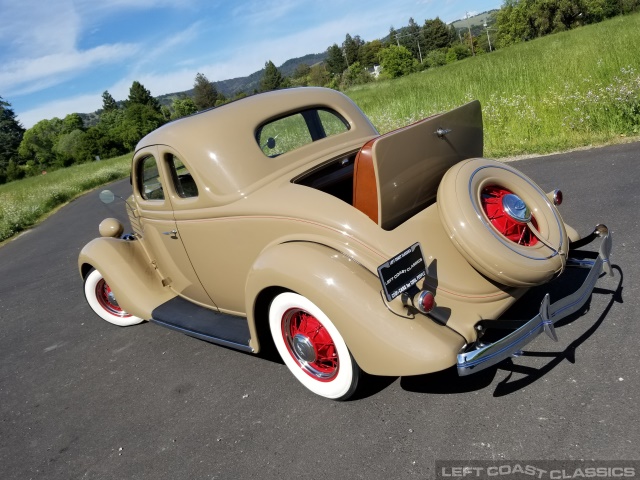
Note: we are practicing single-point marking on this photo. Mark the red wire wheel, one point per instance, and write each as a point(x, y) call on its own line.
point(107, 299)
point(311, 347)
point(310, 344)
point(491, 199)
point(485, 207)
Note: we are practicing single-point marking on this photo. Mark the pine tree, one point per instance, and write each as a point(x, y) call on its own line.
point(205, 94)
point(272, 78)
point(11, 133)
point(437, 35)
point(351, 48)
point(141, 96)
point(335, 60)
point(108, 102)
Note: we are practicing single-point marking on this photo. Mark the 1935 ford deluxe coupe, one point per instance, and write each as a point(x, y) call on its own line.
point(286, 219)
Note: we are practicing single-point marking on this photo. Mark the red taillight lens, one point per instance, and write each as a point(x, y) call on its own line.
point(424, 301)
point(557, 197)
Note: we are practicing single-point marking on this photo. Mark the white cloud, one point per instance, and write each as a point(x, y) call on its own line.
point(264, 11)
point(30, 26)
point(61, 108)
point(32, 74)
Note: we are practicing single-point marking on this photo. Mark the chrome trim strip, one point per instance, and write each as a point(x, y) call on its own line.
point(487, 355)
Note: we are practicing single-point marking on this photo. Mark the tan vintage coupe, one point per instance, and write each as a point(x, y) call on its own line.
point(285, 218)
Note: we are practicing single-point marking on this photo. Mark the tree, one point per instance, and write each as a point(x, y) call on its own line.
point(356, 74)
point(108, 102)
point(436, 58)
point(513, 23)
point(72, 122)
point(205, 94)
point(335, 60)
point(369, 53)
point(272, 79)
point(351, 48)
point(183, 107)
point(411, 38)
point(397, 61)
point(437, 35)
point(137, 121)
point(70, 149)
point(300, 77)
point(141, 96)
point(38, 144)
point(393, 37)
point(318, 75)
point(11, 133)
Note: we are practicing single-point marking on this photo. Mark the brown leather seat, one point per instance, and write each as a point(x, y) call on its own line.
point(365, 190)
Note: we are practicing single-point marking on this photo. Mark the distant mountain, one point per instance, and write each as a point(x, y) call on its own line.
point(477, 20)
point(230, 88)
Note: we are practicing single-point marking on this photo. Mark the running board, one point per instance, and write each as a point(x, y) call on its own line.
point(183, 316)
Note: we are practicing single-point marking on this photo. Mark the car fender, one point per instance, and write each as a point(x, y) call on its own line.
point(129, 273)
point(381, 341)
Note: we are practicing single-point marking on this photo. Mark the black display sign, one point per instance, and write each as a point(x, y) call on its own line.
point(402, 271)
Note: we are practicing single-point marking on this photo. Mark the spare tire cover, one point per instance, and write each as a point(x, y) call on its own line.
point(462, 205)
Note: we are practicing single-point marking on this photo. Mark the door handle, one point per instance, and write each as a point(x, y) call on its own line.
point(172, 233)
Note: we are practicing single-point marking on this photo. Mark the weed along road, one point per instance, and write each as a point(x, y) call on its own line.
point(81, 398)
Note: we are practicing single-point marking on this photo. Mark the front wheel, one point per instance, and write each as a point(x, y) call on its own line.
point(102, 301)
point(312, 348)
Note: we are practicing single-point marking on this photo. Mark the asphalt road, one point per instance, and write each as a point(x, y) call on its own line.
point(80, 398)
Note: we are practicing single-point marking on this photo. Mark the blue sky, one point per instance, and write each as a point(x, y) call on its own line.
point(58, 56)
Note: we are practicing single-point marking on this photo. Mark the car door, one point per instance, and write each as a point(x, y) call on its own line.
point(154, 188)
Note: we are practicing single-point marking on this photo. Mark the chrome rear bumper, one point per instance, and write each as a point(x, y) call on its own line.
point(480, 356)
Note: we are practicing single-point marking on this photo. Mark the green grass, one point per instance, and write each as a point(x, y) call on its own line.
point(23, 203)
point(559, 92)
point(555, 93)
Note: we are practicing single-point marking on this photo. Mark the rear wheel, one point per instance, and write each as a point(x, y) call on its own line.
point(312, 348)
point(101, 299)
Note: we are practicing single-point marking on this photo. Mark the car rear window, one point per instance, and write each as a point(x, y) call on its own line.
point(296, 130)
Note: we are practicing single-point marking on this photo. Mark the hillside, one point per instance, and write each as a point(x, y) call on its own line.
point(230, 88)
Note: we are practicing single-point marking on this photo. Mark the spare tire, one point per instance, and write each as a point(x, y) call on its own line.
point(502, 223)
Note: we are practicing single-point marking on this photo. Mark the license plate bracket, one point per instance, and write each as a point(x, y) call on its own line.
point(403, 271)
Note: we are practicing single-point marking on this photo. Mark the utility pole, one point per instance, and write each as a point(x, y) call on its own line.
point(488, 38)
point(470, 37)
point(417, 41)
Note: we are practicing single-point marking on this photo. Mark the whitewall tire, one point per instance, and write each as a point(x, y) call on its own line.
point(102, 301)
point(312, 348)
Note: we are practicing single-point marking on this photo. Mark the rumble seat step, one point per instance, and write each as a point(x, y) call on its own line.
point(199, 322)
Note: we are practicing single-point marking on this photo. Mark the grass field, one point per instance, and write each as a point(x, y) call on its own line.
point(26, 201)
point(555, 93)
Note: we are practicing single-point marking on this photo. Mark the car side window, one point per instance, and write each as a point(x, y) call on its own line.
point(149, 179)
point(299, 129)
point(182, 180)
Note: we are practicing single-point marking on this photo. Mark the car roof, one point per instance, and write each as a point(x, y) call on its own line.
point(220, 146)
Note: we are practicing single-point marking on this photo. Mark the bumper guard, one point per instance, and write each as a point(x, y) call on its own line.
point(481, 356)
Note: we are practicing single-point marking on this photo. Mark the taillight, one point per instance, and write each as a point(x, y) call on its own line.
point(556, 197)
point(424, 301)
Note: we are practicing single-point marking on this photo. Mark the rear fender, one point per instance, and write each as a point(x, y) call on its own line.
point(129, 273)
point(382, 342)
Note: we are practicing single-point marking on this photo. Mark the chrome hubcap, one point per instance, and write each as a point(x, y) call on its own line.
point(112, 299)
point(516, 209)
point(304, 348)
